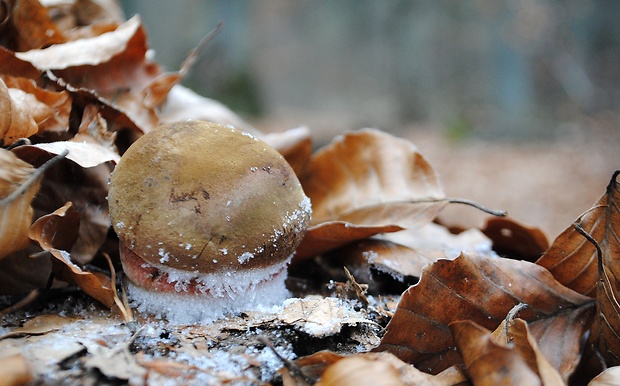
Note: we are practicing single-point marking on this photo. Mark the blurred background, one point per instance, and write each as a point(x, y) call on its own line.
point(538, 78)
point(512, 68)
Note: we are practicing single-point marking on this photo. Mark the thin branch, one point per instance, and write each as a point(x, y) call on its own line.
point(512, 314)
point(33, 178)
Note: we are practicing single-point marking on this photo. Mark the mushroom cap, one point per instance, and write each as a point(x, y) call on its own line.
point(206, 198)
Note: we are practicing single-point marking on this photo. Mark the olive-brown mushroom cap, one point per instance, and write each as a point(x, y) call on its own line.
point(203, 197)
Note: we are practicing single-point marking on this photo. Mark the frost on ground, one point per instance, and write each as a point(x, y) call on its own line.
point(74, 341)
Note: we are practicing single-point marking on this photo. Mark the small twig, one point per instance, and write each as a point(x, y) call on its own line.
point(38, 172)
point(510, 317)
point(360, 289)
point(32, 296)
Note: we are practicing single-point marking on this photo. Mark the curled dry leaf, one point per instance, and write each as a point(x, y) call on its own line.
point(382, 369)
point(15, 119)
point(49, 109)
point(500, 359)
point(85, 187)
point(560, 338)
point(364, 183)
point(476, 288)
point(405, 253)
point(113, 65)
point(514, 240)
point(573, 260)
point(18, 185)
point(56, 233)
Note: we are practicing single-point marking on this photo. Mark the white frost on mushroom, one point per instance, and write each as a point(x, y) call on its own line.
point(227, 293)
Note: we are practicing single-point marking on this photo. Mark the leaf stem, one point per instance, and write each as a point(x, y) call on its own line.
point(493, 212)
point(599, 251)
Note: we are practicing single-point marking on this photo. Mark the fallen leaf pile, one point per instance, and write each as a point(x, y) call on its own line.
point(383, 292)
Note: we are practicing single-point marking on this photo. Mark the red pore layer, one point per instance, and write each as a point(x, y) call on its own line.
point(145, 275)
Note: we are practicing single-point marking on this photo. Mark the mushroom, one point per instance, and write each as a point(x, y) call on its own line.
point(208, 218)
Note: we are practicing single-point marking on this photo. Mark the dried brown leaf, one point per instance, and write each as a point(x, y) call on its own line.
point(364, 183)
point(515, 240)
point(18, 185)
point(15, 119)
point(573, 260)
point(11, 65)
point(86, 188)
point(113, 65)
point(56, 233)
point(49, 109)
point(365, 169)
point(381, 369)
point(476, 288)
point(492, 360)
point(41, 325)
point(560, 338)
point(58, 230)
point(33, 26)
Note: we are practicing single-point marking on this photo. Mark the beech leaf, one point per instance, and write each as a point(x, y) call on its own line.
point(19, 182)
point(85, 154)
point(572, 259)
point(508, 356)
point(15, 119)
point(49, 109)
point(477, 288)
point(367, 182)
point(56, 233)
point(515, 240)
point(382, 369)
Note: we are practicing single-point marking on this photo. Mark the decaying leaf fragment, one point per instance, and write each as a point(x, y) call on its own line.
point(364, 183)
point(318, 316)
point(476, 288)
